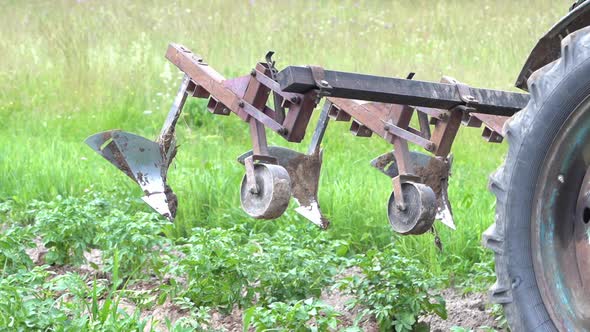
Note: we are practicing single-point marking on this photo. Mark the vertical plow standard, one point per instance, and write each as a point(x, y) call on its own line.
point(374, 105)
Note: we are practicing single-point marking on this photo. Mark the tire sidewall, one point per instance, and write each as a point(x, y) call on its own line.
point(551, 113)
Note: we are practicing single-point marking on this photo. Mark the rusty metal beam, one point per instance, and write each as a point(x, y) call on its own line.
point(230, 94)
point(401, 91)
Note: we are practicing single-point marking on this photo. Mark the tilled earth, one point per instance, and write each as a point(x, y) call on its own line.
point(469, 311)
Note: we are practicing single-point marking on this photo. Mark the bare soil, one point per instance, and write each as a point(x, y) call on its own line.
point(469, 311)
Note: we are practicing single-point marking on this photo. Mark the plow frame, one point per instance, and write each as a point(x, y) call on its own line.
point(384, 106)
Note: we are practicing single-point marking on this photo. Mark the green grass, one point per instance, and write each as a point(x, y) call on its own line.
point(70, 69)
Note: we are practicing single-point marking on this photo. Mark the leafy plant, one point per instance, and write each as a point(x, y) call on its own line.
point(197, 320)
point(394, 289)
point(13, 243)
point(68, 226)
point(231, 267)
point(13, 211)
point(479, 275)
point(26, 303)
point(6, 206)
point(137, 239)
point(96, 306)
point(293, 264)
point(479, 329)
point(499, 316)
point(299, 316)
point(213, 267)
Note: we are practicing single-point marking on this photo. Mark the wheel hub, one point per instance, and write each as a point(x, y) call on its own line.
point(582, 232)
point(419, 212)
point(271, 195)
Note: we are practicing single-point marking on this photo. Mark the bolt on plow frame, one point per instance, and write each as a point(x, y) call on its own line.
point(540, 237)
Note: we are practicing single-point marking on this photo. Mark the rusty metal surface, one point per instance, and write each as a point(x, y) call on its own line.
point(337, 114)
point(258, 136)
point(445, 131)
point(418, 216)
point(491, 136)
point(146, 161)
point(320, 130)
point(424, 125)
point(392, 122)
point(273, 193)
point(401, 91)
point(371, 116)
point(232, 94)
point(582, 231)
point(469, 120)
point(404, 167)
point(228, 94)
point(277, 99)
point(494, 122)
point(409, 136)
point(560, 224)
point(385, 120)
point(238, 85)
point(298, 117)
point(141, 160)
point(360, 130)
point(215, 107)
point(304, 172)
point(247, 96)
point(288, 98)
point(432, 171)
point(433, 112)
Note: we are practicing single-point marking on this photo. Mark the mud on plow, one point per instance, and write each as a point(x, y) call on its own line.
point(373, 105)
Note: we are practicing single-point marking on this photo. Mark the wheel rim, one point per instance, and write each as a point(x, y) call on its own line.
point(418, 216)
point(560, 228)
point(274, 192)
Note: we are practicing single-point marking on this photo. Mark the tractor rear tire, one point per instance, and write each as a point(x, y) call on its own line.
point(543, 139)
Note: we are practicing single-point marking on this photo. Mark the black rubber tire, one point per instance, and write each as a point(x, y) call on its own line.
point(556, 91)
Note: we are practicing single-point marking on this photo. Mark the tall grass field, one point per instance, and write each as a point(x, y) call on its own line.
point(69, 69)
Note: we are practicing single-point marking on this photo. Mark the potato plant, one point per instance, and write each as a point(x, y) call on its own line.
point(394, 289)
point(299, 316)
point(137, 239)
point(68, 227)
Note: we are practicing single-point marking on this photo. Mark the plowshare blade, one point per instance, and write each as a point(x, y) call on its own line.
point(141, 159)
point(435, 173)
point(145, 161)
point(444, 213)
point(304, 171)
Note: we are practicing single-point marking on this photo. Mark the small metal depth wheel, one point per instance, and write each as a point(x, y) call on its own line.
point(272, 197)
point(420, 209)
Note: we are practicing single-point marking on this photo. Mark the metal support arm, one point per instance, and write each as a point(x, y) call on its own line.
point(391, 90)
